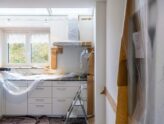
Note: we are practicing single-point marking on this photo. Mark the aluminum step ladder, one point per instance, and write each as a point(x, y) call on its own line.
point(77, 102)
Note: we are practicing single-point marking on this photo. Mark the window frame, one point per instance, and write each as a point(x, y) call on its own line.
point(28, 52)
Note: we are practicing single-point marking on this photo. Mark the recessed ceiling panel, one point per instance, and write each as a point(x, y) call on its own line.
point(23, 11)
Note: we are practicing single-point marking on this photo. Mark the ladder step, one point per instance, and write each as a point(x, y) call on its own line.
point(77, 102)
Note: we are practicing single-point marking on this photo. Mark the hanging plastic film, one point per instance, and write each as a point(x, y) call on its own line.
point(6, 79)
point(140, 65)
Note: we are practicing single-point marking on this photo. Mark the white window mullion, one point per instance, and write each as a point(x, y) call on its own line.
point(6, 54)
point(49, 51)
point(28, 48)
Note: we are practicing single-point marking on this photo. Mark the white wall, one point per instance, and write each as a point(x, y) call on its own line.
point(69, 60)
point(0, 48)
point(100, 62)
point(59, 30)
point(86, 29)
point(159, 67)
point(1, 61)
point(58, 25)
point(115, 21)
point(100, 74)
point(0, 101)
point(110, 114)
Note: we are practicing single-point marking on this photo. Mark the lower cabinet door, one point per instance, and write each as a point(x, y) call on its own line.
point(15, 105)
point(1, 98)
point(39, 109)
point(60, 106)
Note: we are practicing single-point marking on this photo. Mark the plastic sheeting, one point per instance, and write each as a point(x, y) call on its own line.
point(141, 74)
point(13, 89)
point(84, 58)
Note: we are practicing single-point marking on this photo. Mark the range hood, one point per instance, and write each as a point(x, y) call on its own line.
point(73, 35)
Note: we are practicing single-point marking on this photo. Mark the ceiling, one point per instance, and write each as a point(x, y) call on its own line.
point(48, 3)
point(44, 11)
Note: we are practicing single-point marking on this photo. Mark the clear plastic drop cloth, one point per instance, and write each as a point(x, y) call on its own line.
point(6, 79)
point(84, 59)
point(141, 62)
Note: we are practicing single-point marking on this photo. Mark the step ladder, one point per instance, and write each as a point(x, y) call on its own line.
point(77, 102)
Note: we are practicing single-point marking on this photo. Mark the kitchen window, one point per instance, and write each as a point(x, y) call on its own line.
point(16, 48)
point(27, 48)
point(39, 48)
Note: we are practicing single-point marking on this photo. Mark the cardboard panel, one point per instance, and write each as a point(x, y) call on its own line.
point(90, 95)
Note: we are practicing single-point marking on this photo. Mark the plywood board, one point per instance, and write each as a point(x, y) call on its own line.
point(90, 95)
point(122, 106)
point(54, 54)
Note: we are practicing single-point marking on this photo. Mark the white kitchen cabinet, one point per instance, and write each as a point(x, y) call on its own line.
point(86, 28)
point(40, 92)
point(43, 83)
point(20, 83)
point(39, 109)
point(16, 105)
point(61, 105)
point(48, 98)
point(1, 100)
point(40, 99)
point(68, 83)
point(63, 94)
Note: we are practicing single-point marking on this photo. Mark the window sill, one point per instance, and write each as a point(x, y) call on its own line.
point(26, 67)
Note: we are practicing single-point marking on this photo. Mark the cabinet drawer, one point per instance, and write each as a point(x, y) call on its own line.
point(64, 92)
point(1, 100)
point(20, 83)
point(61, 106)
point(39, 109)
point(40, 92)
point(68, 83)
point(39, 100)
point(42, 83)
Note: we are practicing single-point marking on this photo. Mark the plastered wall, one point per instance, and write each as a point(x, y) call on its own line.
point(69, 60)
point(100, 63)
point(115, 22)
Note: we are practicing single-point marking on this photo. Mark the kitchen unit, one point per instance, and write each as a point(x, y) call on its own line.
point(50, 97)
point(1, 97)
point(16, 104)
point(47, 45)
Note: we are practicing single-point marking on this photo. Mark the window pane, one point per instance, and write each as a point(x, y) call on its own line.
point(39, 48)
point(16, 48)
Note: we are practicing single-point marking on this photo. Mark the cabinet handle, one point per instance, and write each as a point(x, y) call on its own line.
point(40, 88)
point(40, 106)
point(40, 100)
point(61, 83)
point(62, 89)
point(61, 100)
